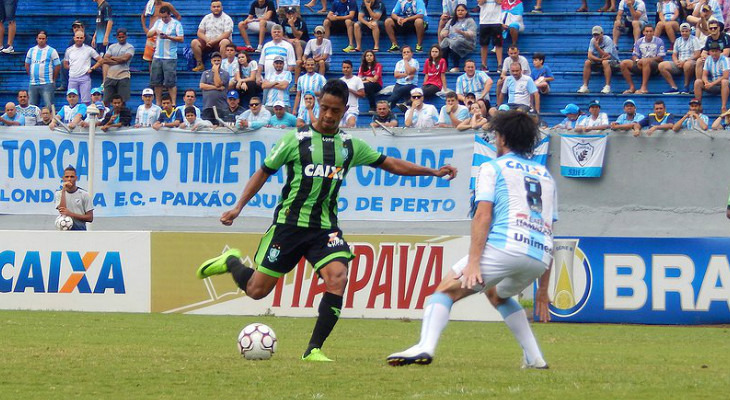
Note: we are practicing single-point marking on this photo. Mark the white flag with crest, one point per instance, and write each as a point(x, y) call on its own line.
point(581, 156)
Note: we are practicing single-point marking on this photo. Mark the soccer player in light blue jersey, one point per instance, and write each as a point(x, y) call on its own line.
point(511, 243)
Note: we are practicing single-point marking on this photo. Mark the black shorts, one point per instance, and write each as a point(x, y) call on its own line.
point(409, 27)
point(283, 246)
point(491, 33)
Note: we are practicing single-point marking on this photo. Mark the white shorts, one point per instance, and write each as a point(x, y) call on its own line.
point(255, 27)
point(510, 274)
point(348, 115)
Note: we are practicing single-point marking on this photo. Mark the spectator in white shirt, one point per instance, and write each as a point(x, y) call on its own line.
point(594, 121)
point(687, 49)
point(77, 60)
point(214, 34)
point(420, 115)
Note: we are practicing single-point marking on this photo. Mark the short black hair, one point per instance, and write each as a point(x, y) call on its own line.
point(451, 94)
point(519, 131)
point(190, 110)
point(188, 90)
point(348, 62)
point(70, 168)
point(166, 96)
point(659, 102)
point(539, 56)
point(165, 10)
point(118, 97)
point(337, 88)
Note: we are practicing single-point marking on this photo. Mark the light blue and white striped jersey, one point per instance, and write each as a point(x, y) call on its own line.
point(474, 84)
point(31, 113)
point(272, 95)
point(41, 62)
point(400, 66)
point(67, 113)
point(667, 8)
point(684, 49)
point(230, 66)
point(166, 49)
point(147, 116)
point(449, 6)
point(272, 49)
point(246, 71)
point(525, 205)
point(303, 114)
point(313, 83)
point(691, 123)
point(716, 68)
point(519, 91)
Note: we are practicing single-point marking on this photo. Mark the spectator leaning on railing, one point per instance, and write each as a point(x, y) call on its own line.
point(147, 112)
point(626, 121)
point(594, 121)
point(572, 116)
point(12, 117)
point(693, 119)
point(30, 112)
point(659, 120)
point(119, 116)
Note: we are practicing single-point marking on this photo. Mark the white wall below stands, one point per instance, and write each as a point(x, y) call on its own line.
point(667, 185)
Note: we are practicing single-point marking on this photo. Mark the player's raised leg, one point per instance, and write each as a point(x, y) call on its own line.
point(256, 284)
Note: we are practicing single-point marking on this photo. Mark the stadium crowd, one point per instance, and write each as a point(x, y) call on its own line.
point(250, 87)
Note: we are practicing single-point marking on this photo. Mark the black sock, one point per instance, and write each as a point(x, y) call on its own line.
point(329, 313)
point(241, 273)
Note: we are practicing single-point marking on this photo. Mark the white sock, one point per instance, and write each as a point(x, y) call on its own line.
point(435, 318)
point(516, 319)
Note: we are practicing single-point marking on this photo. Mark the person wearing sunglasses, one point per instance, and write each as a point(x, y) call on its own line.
point(420, 115)
point(255, 117)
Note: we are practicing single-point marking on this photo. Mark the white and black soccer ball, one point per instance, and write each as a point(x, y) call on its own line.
point(64, 222)
point(257, 342)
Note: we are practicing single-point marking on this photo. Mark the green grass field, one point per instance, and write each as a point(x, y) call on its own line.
point(64, 355)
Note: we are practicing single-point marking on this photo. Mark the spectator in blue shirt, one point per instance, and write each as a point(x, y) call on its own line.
point(572, 116)
point(371, 16)
point(648, 53)
point(281, 118)
point(342, 16)
point(406, 16)
point(602, 56)
point(541, 74)
point(715, 75)
point(12, 117)
point(626, 121)
point(660, 119)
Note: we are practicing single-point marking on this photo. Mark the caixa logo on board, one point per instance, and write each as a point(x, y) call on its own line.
point(91, 272)
point(572, 279)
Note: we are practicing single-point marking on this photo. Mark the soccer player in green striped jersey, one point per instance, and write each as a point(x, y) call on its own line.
point(305, 220)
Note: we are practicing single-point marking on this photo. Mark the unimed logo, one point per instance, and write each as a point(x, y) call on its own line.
point(29, 271)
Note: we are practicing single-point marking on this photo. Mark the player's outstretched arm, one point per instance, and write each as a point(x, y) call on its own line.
point(407, 168)
point(252, 187)
point(542, 300)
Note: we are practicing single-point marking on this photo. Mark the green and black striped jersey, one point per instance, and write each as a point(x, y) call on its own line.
point(316, 165)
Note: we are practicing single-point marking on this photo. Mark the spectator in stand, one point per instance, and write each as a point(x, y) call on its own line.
point(247, 77)
point(371, 73)
point(602, 55)
point(152, 10)
point(626, 121)
point(357, 91)
point(701, 6)
point(371, 16)
point(42, 65)
point(281, 118)
point(420, 115)
point(716, 36)
point(722, 123)
point(214, 34)
point(119, 116)
point(522, 94)
point(77, 60)
point(297, 34)
point(572, 116)
point(512, 11)
point(687, 49)
point(648, 53)
point(312, 3)
point(632, 17)
point(383, 115)
point(406, 76)
point(320, 49)
point(230, 113)
point(407, 16)
point(342, 17)
point(513, 56)
point(276, 85)
point(30, 112)
point(229, 63)
point(594, 121)
point(147, 112)
point(458, 39)
point(261, 19)
point(309, 82)
point(73, 113)
point(169, 33)
point(453, 113)
point(309, 111)
point(693, 119)
point(169, 117)
point(104, 24)
point(117, 58)
point(7, 14)
point(448, 11)
point(476, 121)
point(477, 82)
point(193, 122)
point(76, 26)
point(12, 117)
point(715, 76)
point(542, 75)
point(434, 73)
point(668, 14)
point(189, 101)
point(277, 47)
point(46, 117)
point(97, 94)
point(490, 30)
point(214, 84)
point(255, 117)
point(660, 119)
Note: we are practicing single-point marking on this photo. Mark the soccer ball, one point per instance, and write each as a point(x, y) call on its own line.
point(64, 222)
point(257, 342)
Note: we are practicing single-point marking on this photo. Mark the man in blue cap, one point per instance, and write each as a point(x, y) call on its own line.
point(73, 113)
point(572, 116)
point(594, 121)
point(234, 108)
point(626, 121)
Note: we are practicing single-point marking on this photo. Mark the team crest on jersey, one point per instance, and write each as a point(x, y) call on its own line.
point(274, 252)
point(345, 153)
point(582, 153)
point(335, 240)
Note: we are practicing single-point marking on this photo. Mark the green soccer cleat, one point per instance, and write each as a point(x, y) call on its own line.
point(217, 265)
point(316, 355)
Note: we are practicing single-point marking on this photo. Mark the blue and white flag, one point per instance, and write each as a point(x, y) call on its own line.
point(581, 156)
